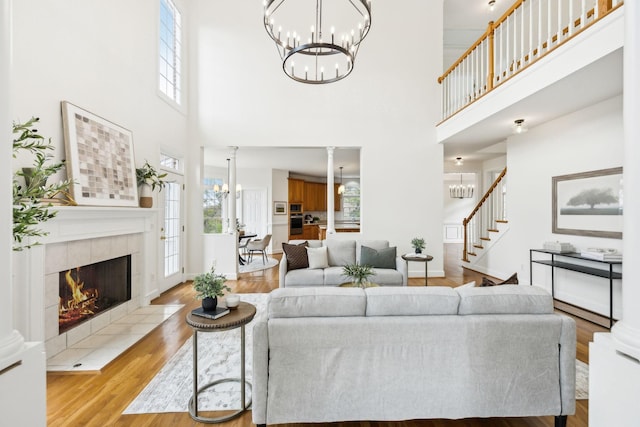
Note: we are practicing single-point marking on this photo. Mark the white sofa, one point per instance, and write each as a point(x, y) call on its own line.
point(402, 353)
point(340, 253)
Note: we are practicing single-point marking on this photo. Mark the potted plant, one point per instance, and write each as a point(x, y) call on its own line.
point(359, 274)
point(148, 179)
point(33, 199)
point(418, 244)
point(210, 286)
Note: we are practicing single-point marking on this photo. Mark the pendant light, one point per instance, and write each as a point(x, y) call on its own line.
point(341, 188)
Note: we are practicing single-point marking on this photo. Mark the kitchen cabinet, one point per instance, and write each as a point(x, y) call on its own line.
point(315, 196)
point(296, 191)
point(337, 205)
point(310, 232)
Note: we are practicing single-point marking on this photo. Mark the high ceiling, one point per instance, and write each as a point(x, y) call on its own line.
point(464, 21)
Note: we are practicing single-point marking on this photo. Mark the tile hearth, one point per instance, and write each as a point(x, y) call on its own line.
point(96, 351)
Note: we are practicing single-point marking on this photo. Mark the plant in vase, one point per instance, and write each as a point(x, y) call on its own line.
point(418, 244)
point(210, 286)
point(358, 274)
point(33, 200)
point(148, 178)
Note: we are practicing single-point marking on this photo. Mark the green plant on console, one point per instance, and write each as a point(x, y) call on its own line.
point(359, 274)
point(33, 199)
point(147, 174)
point(210, 284)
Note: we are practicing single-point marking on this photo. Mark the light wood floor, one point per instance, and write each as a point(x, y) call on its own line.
point(98, 400)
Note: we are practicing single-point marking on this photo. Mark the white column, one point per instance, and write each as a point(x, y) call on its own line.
point(232, 190)
point(331, 226)
point(614, 358)
point(626, 332)
point(11, 342)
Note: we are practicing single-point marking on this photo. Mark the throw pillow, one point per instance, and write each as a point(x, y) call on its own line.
point(381, 258)
point(513, 280)
point(467, 285)
point(318, 257)
point(296, 255)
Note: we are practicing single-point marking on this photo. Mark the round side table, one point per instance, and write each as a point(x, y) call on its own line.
point(425, 259)
point(236, 318)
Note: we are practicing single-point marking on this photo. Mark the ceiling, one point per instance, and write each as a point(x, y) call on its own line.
point(310, 161)
point(464, 21)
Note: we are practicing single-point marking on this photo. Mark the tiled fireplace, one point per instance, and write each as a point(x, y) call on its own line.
point(80, 239)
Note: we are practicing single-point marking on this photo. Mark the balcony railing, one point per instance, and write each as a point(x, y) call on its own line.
point(524, 34)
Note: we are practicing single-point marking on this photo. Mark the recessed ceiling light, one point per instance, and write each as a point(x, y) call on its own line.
point(492, 4)
point(519, 126)
point(458, 161)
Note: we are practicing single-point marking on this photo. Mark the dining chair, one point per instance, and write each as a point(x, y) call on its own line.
point(259, 245)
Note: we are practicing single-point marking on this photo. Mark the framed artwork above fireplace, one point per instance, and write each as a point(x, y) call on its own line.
point(100, 159)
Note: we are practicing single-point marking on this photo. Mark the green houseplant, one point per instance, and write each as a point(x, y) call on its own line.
point(418, 244)
point(148, 178)
point(359, 274)
point(210, 286)
point(32, 200)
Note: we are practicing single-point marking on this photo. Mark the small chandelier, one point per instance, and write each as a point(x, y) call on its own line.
point(461, 191)
point(224, 190)
point(341, 188)
point(326, 53)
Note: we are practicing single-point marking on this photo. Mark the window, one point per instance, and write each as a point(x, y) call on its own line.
point(351, 201)
point(169, 162)
point(170, 50)
point(212, 204)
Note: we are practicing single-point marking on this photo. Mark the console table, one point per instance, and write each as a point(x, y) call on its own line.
point(567, 262)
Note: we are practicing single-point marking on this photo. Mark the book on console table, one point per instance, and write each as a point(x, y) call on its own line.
point(602, 256)
point(216, 314)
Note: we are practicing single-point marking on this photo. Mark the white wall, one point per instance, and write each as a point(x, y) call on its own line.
point(386, 106)
point(586, 140)
point(100, 56)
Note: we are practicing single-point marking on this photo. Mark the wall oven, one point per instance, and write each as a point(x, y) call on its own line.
point(295, 224)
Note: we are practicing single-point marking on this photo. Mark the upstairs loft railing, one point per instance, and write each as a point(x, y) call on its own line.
point(524, 34)
point(483, 218)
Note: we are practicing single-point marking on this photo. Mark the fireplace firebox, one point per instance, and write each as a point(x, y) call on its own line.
point(92, 289)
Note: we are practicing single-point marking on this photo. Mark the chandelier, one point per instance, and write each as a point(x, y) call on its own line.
point(461, 191)
point(326, 52)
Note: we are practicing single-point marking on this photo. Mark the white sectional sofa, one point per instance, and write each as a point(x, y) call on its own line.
point(340, 253)
point(402, 353)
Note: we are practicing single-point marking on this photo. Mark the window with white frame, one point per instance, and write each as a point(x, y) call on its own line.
point(212, 205)
point(351, 201)
point(170, 51)
point(170, 162)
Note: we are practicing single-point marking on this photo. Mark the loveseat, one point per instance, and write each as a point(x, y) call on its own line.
point(389, 269)
point(400, 353)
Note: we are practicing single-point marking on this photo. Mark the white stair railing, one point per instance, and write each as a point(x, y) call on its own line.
point(482, 219)
point(526, 32)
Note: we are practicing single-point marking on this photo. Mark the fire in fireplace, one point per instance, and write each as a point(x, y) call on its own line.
point(91, 289)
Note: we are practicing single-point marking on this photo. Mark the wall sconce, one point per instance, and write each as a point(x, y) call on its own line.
point(519, 126)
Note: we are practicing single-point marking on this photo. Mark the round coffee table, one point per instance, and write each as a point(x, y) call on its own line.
point(425, 258)
point(236, 318)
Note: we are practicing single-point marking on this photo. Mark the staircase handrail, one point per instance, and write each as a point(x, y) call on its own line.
point(484, 198)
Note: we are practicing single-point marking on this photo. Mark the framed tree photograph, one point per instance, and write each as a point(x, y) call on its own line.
point(588, 203)
point(99, 159)
point(279, 208)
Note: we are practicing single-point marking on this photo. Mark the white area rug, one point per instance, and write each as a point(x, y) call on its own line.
point(582, 380)
point(257, 265)
point(218, 357)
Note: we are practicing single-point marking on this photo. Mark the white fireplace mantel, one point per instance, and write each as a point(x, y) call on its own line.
point(73, 224)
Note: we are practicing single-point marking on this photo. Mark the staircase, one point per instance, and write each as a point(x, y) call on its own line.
point(487, 222)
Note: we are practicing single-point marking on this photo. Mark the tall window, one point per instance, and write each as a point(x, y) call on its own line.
point(212, 205)
point(170, 48)
point(351, 201)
